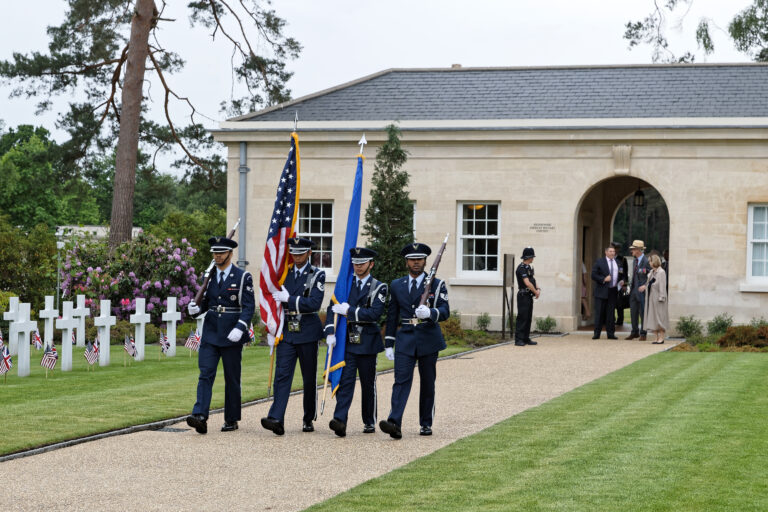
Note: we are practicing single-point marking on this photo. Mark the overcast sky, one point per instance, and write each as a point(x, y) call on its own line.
point(344, 40)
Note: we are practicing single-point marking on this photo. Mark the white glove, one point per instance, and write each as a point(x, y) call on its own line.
point(193, 308)
point(331, 340)
point(270, 340)
point(423, 312)
point(281, 295)
point(340, 309)
point(235, 335)
point(390, 353)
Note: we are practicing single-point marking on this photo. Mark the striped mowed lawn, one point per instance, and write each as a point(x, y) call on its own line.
point(674, 431)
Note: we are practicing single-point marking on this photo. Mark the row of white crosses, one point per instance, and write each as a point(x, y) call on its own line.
point(73, 320)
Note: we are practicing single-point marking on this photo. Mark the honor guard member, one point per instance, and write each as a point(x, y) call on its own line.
point(526, 291)
point(364, 307)
point(302, 295)
point(228, 305)
point(418, 339)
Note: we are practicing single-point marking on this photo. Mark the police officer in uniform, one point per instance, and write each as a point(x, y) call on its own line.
point(228, 305)
point(364, 307)
point(417, 341)
point(526, 291)
point(302, 295)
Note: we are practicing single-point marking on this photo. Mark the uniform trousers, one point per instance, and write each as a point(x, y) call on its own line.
point(524, 317)
point(208, 361)
point(404, 365)
point(365, 365)
point(285, 365)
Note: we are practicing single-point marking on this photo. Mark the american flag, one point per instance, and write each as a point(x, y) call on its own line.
point(36, 340)
point(50, 356)
point(90, 354)
point(193, 341)
point(251, 333)
point(74, 340)
point(1, 339)
point(5, 363)
point(164, 345)
point(129, 346)
point(274, 267)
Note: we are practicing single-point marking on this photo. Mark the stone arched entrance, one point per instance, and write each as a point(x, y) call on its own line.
point(611, 211)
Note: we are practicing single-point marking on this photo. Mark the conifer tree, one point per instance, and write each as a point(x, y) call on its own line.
point(389, 215)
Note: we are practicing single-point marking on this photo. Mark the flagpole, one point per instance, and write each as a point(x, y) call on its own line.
point(328, 366)
point(271, 367)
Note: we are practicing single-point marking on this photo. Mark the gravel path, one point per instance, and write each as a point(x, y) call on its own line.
point(252, 469)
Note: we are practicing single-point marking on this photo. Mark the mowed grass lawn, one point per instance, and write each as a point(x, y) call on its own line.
point(35, 411)
point(674, 431)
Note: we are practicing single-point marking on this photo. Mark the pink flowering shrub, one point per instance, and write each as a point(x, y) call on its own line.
point(145, 267)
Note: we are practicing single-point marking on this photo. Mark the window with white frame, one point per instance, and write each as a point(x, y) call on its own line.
point(478, 237)
point(757, 243)
point(316, 223)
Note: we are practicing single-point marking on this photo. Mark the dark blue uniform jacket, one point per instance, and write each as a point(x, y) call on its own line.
point(425, 337)
point(364, 315)
point(304, 302)
point(235, 293)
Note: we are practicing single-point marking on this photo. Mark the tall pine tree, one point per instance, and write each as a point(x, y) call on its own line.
point(389, 215)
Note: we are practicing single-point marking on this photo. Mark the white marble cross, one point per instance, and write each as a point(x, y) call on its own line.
point(103, 323)
point(49, 314)
point(12, 315)
point(24, 327)
point(141, 318)
point(171, 317)
point(81, 312)
point(67, 323)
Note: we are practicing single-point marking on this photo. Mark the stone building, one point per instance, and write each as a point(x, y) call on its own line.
point(503, 158)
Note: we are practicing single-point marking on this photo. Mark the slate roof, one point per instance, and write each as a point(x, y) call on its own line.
point(645, 91)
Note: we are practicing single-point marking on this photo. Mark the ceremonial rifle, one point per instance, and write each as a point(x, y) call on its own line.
point(432, 271)
point(207, 276)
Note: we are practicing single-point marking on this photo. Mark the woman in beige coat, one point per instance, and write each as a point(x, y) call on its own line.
point(656, 314)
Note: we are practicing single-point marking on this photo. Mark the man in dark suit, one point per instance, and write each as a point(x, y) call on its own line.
point(418, 339)
point(364, 307)
point(605, 274)
point(622, 286)
point(302, 295)
point(640, 269)
point(228, 305)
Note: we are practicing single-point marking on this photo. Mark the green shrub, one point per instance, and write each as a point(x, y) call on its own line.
point(758, 322)
point(689, 326)
point(719, 324)
point(452, 331)
point(479, 338)
point(546, 324)
point(483, 321)
point(739, 336)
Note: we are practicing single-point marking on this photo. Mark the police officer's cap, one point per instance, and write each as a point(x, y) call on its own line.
point(416, 251)
point(362, 254)
point(300, 245)
point(221, 244)
point(528, 253)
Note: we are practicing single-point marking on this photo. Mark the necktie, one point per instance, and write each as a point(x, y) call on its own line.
point(221, 277)
point(610, 268)
point(359, 287)
point(413, 288)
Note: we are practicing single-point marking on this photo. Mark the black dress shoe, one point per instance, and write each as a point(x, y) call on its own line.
point(596, 337)
point(273, 425)
point(307, 427)
point(369, 429)
point(198, 422)
point(425, 431)
point(339, 427)
point(391, 428)
point(531, 342)
point(612, 338)
point(229, 426)
point(658, 342)
point(521, 344)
